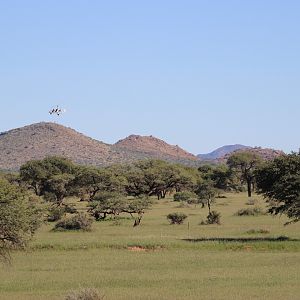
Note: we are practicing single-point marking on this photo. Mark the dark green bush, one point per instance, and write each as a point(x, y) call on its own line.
point(176, 218)
point(79, 221)
point(185, 196)
point(253, 211)
point(70, 209)
point(213, 217)
point(55, 213)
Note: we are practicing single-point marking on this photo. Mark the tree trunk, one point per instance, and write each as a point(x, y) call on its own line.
point(249, 187)
point(137, 221)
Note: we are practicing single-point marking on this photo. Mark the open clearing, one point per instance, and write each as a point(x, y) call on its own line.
point(162, 261)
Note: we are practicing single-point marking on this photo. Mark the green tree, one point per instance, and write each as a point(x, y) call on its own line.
point(189, 197)
point(245, 163)
point(57, 187)
point(114, 204)
point(107, 204)
point(19, 218)
point(279, 182)
point(136, 208)
point(51, 177)
point(222, 176)
point(90, 180)
point(206, 193)
point(156, 178)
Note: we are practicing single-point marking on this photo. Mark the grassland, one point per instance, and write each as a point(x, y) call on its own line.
point(162, 261)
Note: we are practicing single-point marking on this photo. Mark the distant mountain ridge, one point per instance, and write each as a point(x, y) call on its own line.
point(40, 140)
point(222, 151)
point(264, 153)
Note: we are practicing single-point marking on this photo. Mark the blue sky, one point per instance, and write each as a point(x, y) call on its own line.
point(199, 74)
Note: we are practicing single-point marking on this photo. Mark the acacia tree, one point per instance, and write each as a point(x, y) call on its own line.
point(245, 164)
point(105, 204)
point(19, 218)
point(155, 178)
point(57, 187)
point(279, 182)
point(89, 181)
point(136, 208)
point(206, 193)
point(51, 177)
point(114, 204)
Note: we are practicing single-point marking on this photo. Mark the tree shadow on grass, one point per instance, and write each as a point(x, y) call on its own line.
point(244, 240)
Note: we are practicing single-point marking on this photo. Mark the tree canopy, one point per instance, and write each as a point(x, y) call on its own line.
point(245, 163)
point(279, 182)
point(19, 217)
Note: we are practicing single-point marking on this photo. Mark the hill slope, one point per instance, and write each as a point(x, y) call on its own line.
point(46, 139)
point(152, 146)
point(222, 151)
point(40, 140)
point(264, 153)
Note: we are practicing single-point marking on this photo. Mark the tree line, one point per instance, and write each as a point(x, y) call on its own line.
point(131, 188)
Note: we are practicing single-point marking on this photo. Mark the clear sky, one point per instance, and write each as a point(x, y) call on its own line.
point(199, 74)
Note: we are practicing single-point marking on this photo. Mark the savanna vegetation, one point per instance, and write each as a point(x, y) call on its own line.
point(134, 231)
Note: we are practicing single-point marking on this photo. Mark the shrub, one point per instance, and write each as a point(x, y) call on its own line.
point(182, 205)
point(185, 196)
point(212, 218)
point(85, 294)
point(253, 211)
point(176, 218)
point(55, 213)
point(79, 221)
point(70, 209)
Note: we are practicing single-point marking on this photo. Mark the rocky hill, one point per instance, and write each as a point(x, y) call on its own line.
point(152, 146)
point(40, 140)
point(264, 153)
point(222, 151)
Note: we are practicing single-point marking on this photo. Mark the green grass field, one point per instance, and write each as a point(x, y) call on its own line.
point(162, 261)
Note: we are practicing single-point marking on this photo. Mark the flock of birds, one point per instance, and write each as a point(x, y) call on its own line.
point(57, 111)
